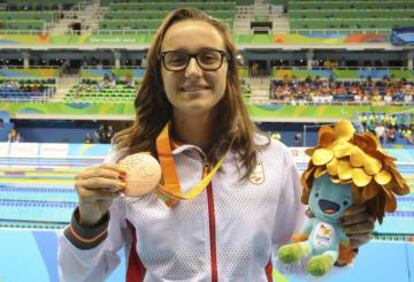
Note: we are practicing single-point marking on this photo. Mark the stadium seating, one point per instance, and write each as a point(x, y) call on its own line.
point(349, 74)
point(244, 2)
point(26, 89)
point(90, 91)
point(96, 86)
point(337, 86)
point(40, 5)
point(304, 15)
point(339, 14)
point(31, 16)
point(99, 73)
point(19, 84)
point(343, 4)
point(126, 15)
point(149, 14)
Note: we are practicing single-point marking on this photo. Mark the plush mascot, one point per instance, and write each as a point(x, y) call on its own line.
point(345, 169)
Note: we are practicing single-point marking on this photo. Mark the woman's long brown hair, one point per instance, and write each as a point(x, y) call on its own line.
point(153, 110)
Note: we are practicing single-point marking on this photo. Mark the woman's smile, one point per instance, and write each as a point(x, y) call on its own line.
point(194, 90)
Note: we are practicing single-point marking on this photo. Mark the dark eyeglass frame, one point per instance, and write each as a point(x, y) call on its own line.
point(223, 54)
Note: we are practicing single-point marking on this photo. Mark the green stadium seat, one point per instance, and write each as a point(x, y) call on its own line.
point(350, 15)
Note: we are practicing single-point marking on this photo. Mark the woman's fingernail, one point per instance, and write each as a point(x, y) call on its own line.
point(122, 176)
point(122, 185)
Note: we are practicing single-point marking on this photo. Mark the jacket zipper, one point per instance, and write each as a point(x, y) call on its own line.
point(212, 227)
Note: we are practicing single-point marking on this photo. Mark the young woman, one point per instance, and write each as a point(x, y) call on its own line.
point(225, 233)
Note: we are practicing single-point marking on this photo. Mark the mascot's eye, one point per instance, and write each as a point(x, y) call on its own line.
point(345, 203)
point(316, 195)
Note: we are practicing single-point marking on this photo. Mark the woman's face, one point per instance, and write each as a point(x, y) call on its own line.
point(193, 90)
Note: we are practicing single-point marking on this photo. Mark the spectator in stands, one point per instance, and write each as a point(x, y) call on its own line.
point(393, 121)
point(380, 132)
point(363, 119)
point(8, 84)
point(399, 94)
point(391, 134)
point(379, 117)
point(376, 98)
point(327, 64)
point(130, 83)
point(407, 134)
point(240, 60)
point(88, 139)
point(315, 64)
point(342, 62)
point(191, 88)
point(255, 69)
point(298, 139)
point(84, 62)
point(368, 92)
point(308, 79)
point(369, 81)
point(77, 93)
point(18, 138)
point(111, 82)
point(388, 97)
point(386, 119)
point(405, 121)
point(408, 98)
point(13, 136)
point(100, 86)
point(372, 122)
point(65, 67)
point(106, 78)
point(101, 134)
point(28, 88)
point(110, 133)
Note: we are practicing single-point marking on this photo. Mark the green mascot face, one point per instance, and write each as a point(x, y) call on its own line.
point(328, 201)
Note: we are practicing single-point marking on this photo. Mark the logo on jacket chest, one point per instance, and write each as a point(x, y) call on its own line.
point(257, 176)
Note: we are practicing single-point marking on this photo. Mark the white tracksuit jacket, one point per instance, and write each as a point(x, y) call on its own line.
point(227, 233)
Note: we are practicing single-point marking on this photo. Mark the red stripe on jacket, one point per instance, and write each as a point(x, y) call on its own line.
point(135, 269)
point(269, 270)
point(212, 227)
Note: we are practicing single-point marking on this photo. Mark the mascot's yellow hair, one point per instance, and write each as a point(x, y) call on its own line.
point(357, 159)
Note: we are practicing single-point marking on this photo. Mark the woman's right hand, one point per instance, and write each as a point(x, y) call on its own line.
point(97, 186)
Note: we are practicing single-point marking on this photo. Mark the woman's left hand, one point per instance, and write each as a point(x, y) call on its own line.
point(358, 225)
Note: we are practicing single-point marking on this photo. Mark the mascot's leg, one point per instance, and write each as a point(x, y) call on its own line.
point(294, 252)
point(321, 264)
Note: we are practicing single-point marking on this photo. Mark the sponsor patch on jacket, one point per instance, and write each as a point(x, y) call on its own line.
point(257, 176)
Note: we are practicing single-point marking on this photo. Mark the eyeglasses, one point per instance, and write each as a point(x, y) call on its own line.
point(207, 59)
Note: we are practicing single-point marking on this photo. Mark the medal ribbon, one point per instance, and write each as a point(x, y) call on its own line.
point(171, 188)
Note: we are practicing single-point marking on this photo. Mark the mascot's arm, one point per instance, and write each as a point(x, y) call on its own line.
point(299, 237)
point(304, 234)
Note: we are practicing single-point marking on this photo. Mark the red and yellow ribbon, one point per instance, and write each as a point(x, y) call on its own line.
point(170, 190)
